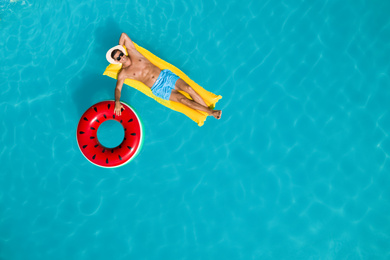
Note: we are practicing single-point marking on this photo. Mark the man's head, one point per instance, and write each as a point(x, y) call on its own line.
point(117, 55)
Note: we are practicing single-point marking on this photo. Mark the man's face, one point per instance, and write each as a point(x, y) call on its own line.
point(120, 57)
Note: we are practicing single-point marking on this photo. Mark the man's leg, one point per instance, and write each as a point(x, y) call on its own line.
point(180, 98)
point(183, 86)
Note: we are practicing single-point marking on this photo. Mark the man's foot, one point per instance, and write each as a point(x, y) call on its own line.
point(217, 114)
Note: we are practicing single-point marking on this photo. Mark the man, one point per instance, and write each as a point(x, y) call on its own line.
point(164, 84)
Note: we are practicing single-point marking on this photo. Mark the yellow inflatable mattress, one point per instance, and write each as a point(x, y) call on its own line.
point(198, 116)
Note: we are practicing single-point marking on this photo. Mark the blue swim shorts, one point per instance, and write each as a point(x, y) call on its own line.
point(164, 84)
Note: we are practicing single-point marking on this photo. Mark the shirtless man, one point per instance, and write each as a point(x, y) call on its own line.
point(163, 83)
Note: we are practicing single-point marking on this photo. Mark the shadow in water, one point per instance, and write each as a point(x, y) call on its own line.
point(92, 86)
point(107, 36)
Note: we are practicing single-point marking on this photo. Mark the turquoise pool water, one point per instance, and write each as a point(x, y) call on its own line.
point(297, 168)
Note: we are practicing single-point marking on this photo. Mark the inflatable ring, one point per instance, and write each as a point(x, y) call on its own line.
point(89, 143)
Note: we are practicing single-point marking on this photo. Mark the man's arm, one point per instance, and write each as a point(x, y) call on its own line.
point(126, 41)
point(118, 89)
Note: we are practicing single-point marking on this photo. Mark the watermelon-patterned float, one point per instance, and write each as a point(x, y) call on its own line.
point(89, 143)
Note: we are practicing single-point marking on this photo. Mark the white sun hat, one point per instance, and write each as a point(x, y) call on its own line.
point(108, 54)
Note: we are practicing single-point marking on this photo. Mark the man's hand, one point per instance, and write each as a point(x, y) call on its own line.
point(126, 41)
point(118, 108)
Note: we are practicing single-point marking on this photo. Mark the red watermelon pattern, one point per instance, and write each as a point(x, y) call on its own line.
point(89, 143)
